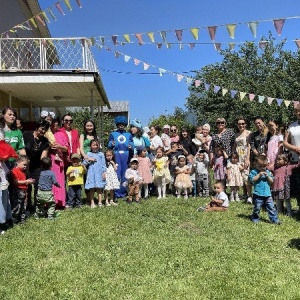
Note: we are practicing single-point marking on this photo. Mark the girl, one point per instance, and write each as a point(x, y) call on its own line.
point(112, 182)
point(219, 164)
point(183, 181)
point(89, 133)
point(234, 176)
point(197, 140)
point(281, 185)
point(144, 169)
point(192, 165)
point(96, 172)
point(161, 173)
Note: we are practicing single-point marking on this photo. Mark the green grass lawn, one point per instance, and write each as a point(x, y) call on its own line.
point(155, 250)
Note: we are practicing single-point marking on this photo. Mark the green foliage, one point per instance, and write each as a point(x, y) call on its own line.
point(273, 72)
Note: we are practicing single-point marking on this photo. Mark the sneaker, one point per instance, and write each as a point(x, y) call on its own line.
point(113, 203)
point(4, 186)
point(178, 196)
point(107, 203)
point(2, 231)
point(186, 197)
point(249, 200)
point(201, 208)
point(159, 197)
point(68, 207)
point(93, 205)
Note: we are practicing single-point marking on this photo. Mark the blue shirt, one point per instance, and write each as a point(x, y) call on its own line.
point(47, 179)
point(261, 186)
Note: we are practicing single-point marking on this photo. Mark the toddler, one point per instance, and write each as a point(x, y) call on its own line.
point(219, 164)
point(19, 198)
point(75, 174)
point(133, 180)
point(183, 182)
point(192, 166)
point(262, 180)
point(197, 140)
point(161, 173)
point(144, 170)
point(219, 202)
point(234, 177)
point(202, 176)
point(112, 182)
point(45, 206)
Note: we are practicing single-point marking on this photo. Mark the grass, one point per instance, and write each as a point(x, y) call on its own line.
point(156, 250)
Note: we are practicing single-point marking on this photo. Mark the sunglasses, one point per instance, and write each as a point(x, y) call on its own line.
point(220, 122)
point(173, 130)
point(68, 121)
point(241, 123)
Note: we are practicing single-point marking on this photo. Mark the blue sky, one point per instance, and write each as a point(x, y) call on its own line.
point(152, 95)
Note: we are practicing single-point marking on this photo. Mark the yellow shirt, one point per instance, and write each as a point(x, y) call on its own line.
point(75, 178)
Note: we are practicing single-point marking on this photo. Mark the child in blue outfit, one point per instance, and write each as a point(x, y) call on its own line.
point(262, 180)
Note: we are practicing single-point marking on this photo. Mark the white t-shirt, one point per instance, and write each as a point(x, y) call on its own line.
point(223, 196)
point(294, 130)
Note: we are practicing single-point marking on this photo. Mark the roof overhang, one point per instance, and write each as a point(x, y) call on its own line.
point(59, 89)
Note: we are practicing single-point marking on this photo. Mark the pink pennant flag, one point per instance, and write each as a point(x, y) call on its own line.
point(38, 17)
point(146, 66)
point(78, 3)
point(296, 103)
point(114, 39)
point(297, 42)
point(179, 34)
point(136, 61)
point(197, 83)
point(262, 44)
point(217, 46)
point(212, 32)
point(139, 38)
point(158, 45)
point(270, 100)
point(216, 89)
point(279, 25)
point(192, 45)
point(57, 4)
point(251, 97)
point(179, 77)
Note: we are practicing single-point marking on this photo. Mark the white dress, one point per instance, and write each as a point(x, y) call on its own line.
point(112, 182)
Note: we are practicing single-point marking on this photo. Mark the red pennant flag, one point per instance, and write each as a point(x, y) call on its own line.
point(57, 4)
point(179, 34)
point(139, 38)
point(279, 25)
point(212, 32)
point(78, 3)
point(114, 39)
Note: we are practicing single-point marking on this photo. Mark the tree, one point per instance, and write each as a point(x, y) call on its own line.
point(272, 72)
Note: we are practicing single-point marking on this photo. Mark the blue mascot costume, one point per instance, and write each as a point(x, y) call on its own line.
point(121, 143)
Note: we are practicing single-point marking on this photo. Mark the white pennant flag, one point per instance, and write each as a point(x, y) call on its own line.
point(146, 66)
point(126, 58)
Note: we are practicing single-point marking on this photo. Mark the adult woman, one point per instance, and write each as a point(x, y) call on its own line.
point(36, 146)
point(258, 139)
point(62, 149)
point(138, 136)
point(242, 148)
point(174, 134)
point(223, 137)
point(274, 143)
point(89, 134)
point(155, 140)
point(186, 142)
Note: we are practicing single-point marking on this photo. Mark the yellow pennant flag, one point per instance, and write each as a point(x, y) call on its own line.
point(195, 32)
point(151, 36)
point(231, 29)
point(127, 38)
point(242, 95)
point(287, 103)
point(67, 2)
point(224, 91)
point(33, 22)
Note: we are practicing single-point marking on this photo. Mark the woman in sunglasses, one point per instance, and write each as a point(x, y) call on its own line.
point(174, 134)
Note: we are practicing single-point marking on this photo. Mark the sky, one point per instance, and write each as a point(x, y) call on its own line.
point(151, 95)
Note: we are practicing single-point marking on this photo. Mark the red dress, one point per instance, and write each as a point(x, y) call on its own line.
point(7, 151)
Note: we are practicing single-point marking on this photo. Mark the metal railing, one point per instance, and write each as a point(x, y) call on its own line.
point(55, 54)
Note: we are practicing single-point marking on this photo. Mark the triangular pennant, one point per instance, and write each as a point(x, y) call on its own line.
point(146, 66)
point(161, 71)
point(51, 42)
point(73, 41)
point(287, 103)
point(136, 61)
point(233, 93)
point(102, 40)
point(168, 45)
point(114, 39)
point(126, 37)
point(253, 27)
point(67, 2)
point(52, 14)
point(126, 58)
point(78, 3)
point(217, 46)
point(279, 25)
point(261, 99)
point(242, 95)
point(158, 45)
point(251, 97)
point(262, 44)
point(117, 54)
point(93, 41)
point(189, 80)
point(178, 33)
point(163, 35)
point(57, 4)
point(297, 42)
point(139, 38)
point(231, 46)
point(180, 46)
point(38, 17)
point(192, 45)
point(197, 83)
point(296, 103)
point(231, 30)
point(33, 22)
point(151, 36)
point(270, 100)
point(123, 43)
point(179, 77)
point(212, 32)
point(195, 32)
point(279, 101)
point(45, 17)
point(224, 92)
point(216, 89)
point(207, 86)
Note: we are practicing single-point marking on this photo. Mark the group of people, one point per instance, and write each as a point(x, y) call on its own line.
point(45, 169)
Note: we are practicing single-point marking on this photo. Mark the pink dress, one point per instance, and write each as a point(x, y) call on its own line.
point(58, 169)
point(219, 168)
point(144, 169)
point(273, 147)
point(281, 184)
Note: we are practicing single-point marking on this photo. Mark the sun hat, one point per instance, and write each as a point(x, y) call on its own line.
point(166, 126)
point(134, 160)
point(136, 123)
point(75, 155)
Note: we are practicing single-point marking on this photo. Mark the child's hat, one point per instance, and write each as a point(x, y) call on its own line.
point(75, 155)
point(166, 126)
point(134, 160)
point(136, 123)
point(181, 156)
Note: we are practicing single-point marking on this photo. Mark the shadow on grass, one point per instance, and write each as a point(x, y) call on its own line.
point(248, 217)
point(294, 243)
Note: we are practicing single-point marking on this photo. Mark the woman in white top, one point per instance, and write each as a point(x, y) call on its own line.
point(155, 141)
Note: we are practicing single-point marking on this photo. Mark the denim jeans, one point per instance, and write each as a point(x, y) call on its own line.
point(270, 207)
point(74, 195)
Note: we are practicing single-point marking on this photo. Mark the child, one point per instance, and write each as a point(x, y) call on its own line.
point(219, 202)
point(192, 166)
point(6, 152)
point(262, 179)
point(161, 173)
point(144, 170)
point(182, 182)
point(202, 176)
point(45, 206)
point(234, 176)
point(112, 182)
point(19, 199)
point(133, 180)
point(75, 174)
point(96, 172)
point(281, 185)
point(197, 140)
point(219, 164)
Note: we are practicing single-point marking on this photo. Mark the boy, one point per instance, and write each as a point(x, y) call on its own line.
point(75, 180)
point(218, 203)
point(20, 183)
point(262, 180)
point(45, 205)
point(134, 180)
point(202, 178)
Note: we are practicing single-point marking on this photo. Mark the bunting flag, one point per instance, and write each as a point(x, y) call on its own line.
point(146, 66)
point(262, 44)
point(45, 17)
point(40, 20)
point(192, 45)
point(287, 103)
point(296, 103)
point(136, 61)
point(279, 101)
point(151, 37)
point(163, 35)
point(242, 95)
point(179, 77)
point(127, 38)
point(168, 45)
point(158, 45)
point(117, 54)
point(231, 46)
point(261, 99)
point(297, 42)
point(279, 25)
point(114, 39)
point(179, 35)
point(216, 89)
point(233, 93)
point(58, 6)
point(197, 83)
point(224, 92)
point(67, 2)
point(139, 38)
point(207, 86)
point(217, 46)
point(231, 30)
point(212, 32)
point(33, 22)
point(78, 3)
point(52, 14)
point(126, 58)
point(251, 97)
point(253, 28)
point(161, 71)
point(270, 100)
point(195, 32)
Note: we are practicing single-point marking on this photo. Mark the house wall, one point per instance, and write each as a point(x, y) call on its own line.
point(15, 102)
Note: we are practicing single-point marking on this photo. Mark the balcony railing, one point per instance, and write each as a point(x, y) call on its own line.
point(55, 54)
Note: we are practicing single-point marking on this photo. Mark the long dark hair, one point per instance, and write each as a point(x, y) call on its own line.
point(94, 134)
point(4, 111)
